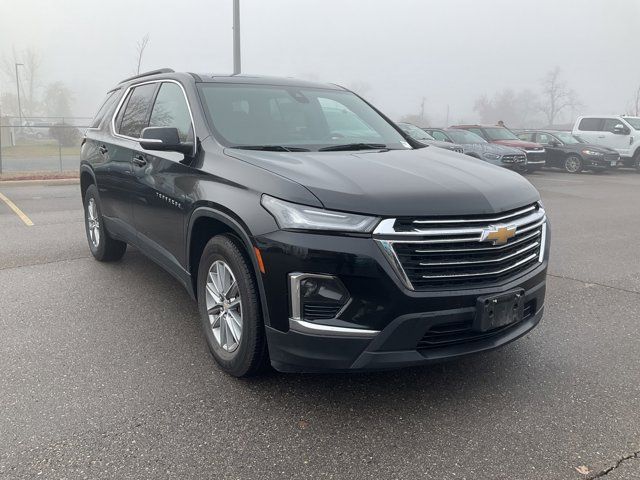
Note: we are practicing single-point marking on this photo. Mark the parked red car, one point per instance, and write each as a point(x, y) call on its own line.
point(536, 154)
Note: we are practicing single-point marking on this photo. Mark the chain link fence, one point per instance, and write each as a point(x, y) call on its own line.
point(36, 146)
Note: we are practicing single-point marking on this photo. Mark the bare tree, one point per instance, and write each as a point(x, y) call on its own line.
point(57, 100)
point(418, 119)
point(140, 47)
point(557, 96)
point(514, 108)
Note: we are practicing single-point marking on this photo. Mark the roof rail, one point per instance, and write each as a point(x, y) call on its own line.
point(146, 74)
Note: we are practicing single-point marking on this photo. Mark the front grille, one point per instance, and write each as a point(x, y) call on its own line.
point(612, 157)
point(319, 311)
point(539, 155)
point(513, 158)
point(447, 334)
point(434, 253)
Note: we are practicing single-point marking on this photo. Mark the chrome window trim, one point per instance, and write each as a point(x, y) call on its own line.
point(134, 85)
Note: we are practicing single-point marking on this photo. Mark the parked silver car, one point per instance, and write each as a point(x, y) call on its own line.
point(423, 137)
point(476, 146)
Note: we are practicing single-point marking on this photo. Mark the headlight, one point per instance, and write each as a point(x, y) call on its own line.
point(491, 156)
point(591, 152)
point(302, 217)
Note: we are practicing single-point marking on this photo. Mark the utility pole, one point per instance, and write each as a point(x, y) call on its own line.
point(422, 111)
point(18, 90)
point(236, 37)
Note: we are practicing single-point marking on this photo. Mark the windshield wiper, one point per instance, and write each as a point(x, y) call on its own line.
point(353, 146)
point(272, 148)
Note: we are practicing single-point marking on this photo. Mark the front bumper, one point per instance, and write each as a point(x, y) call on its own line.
point(536, 160)
point(594, 162)
point(385, 325)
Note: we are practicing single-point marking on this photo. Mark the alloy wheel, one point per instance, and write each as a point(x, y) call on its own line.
point(572, 164)
point(93, 222)
point(223, 306)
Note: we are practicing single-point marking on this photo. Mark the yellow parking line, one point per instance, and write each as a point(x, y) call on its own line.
point(27, 221)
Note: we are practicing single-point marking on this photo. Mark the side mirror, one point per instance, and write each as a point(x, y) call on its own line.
point(620, 129)
point(164, 139)
point(554, 143)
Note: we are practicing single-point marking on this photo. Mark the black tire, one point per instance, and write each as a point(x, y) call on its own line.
point(636, 162)
point(105, 249)
point(573, 164)
point(250, 355)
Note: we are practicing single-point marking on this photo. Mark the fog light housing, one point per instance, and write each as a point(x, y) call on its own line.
point(316, 297)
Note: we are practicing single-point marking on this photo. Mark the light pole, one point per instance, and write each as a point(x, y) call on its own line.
point(18, 90)
point(236, 37)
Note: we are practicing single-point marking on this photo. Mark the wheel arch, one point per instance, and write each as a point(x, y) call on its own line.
point(87, 177)
point(205, 223)
point(573, 154)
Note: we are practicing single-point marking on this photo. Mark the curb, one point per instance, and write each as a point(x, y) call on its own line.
point(51, 181)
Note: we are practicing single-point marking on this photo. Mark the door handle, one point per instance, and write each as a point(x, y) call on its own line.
point(601, 136)
point(139, 161)
point(103, 150)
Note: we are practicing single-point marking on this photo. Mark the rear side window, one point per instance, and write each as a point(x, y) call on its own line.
point(106, 107)
point(591, 124)
point(610, 123)
point(171, 110)
point(136, 112)
point(440, 136)
point(527, 137)
point(543, 138)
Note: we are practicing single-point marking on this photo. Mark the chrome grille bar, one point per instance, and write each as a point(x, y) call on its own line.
point(386, 227)
point(482, 249)
point(484, 274)
point(488, 220)
point(448, 253)
point(480, 262)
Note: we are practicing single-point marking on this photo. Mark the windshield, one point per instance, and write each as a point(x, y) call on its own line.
point(499, 133)
point(567, 138)
point(415, 132)
point(464, 137)
point(633, 121)
point(266, 116)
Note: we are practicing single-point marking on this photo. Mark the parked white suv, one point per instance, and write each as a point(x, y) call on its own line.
point(621, 133)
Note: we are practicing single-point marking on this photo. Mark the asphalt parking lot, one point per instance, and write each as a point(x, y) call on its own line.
point(105, 373)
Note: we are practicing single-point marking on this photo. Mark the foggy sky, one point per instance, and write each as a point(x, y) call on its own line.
point(448, 51)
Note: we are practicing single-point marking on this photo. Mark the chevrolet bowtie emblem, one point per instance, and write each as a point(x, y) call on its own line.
point(498, 234)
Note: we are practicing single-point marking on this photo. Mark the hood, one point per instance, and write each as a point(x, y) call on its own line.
point(577, 147)
point(438, 143)
point(427, 181)
point(493, 148)
point(519, 144)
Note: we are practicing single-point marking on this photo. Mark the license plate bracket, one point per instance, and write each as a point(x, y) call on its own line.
point(497, 311)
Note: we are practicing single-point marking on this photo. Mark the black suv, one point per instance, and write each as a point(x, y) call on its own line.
point(314, 234)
